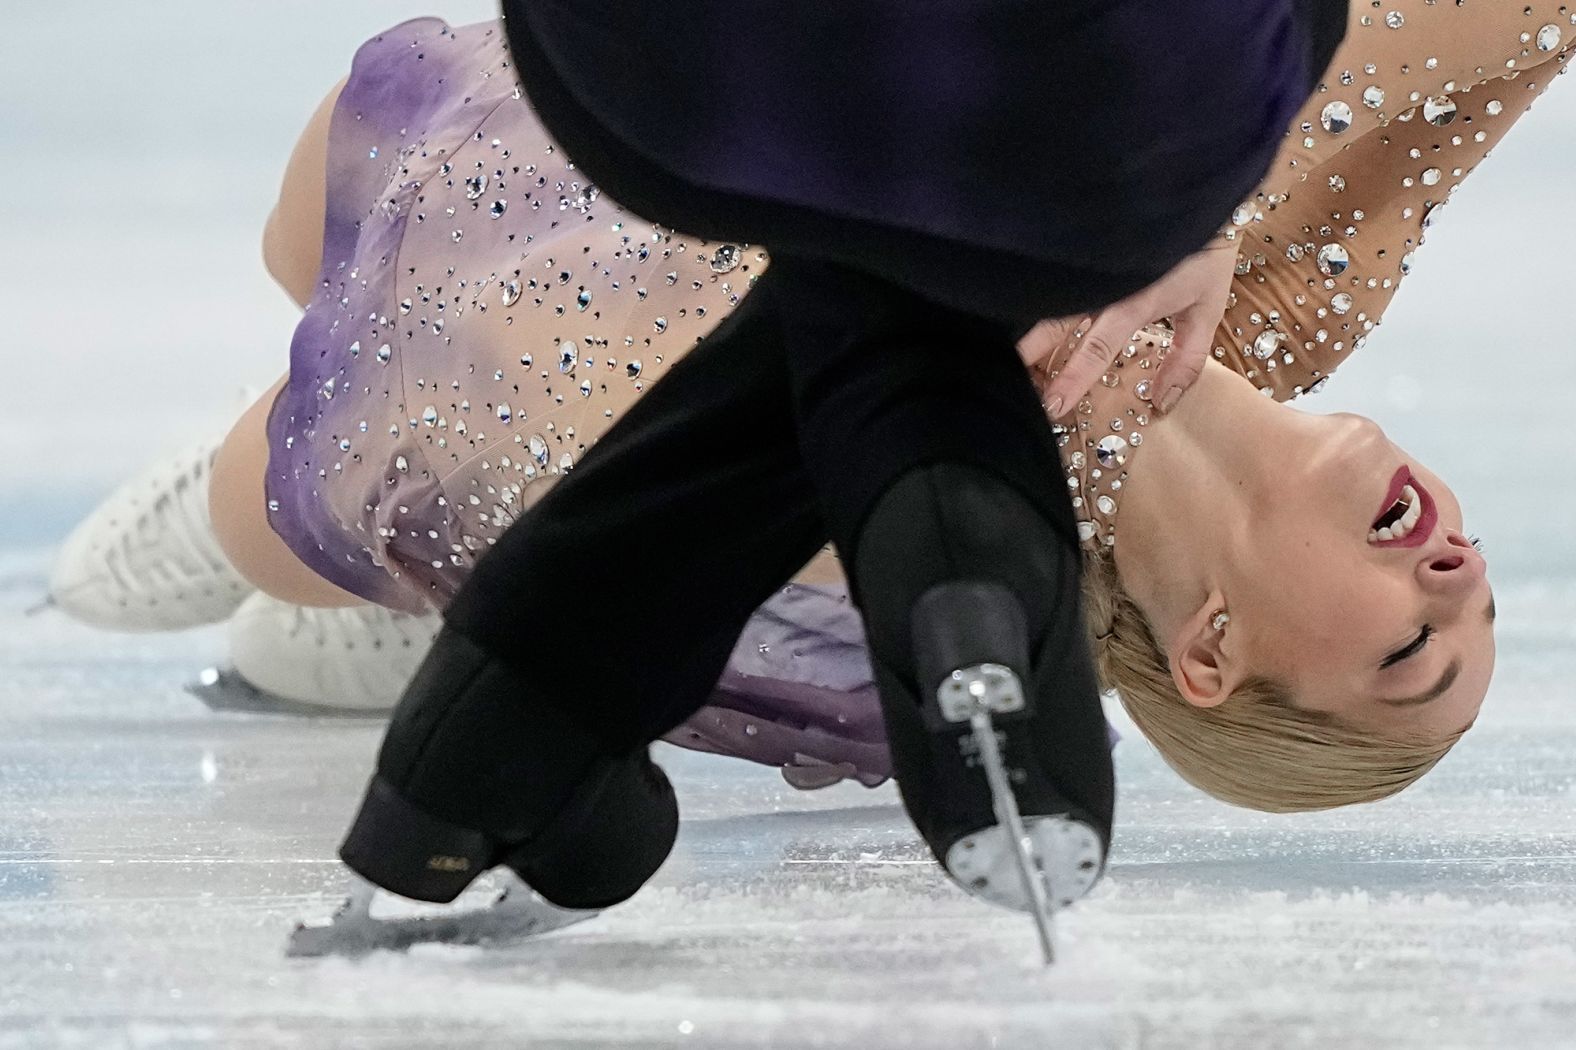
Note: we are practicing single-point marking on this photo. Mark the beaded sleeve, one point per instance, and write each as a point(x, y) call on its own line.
point(1417, 95)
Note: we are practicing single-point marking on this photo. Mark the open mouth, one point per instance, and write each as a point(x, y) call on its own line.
point(1408, 515)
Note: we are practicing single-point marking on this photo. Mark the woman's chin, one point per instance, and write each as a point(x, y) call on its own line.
point(1356, 450)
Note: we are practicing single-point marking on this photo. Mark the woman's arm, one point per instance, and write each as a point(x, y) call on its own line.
point(1343, 210)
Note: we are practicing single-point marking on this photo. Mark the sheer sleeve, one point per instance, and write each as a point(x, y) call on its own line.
point(1417, 95)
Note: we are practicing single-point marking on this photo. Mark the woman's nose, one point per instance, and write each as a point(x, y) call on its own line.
point(1452, 567)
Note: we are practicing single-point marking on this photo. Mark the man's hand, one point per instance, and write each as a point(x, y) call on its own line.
point(1193, 295)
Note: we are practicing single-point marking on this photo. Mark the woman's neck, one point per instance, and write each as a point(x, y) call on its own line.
point(1197, 480)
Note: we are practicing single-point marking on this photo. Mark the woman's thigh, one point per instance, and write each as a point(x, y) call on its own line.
point(292, 251)
point(293, 234)
point(238, 508)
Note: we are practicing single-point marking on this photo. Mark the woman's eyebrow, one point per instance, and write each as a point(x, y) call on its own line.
point(1447, 679)
point(1435, 691)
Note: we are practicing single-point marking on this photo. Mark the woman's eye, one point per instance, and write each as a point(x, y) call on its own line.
point(1412, 648)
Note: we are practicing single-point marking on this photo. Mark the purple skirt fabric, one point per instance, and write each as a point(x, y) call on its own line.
point(798, 693)
point(347, 475)
point(482, 315)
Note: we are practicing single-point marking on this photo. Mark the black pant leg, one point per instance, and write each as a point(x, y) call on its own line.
point(936, 465)
point(885, 381)
point(627, 585)
point(615, 602)
point(620, 595)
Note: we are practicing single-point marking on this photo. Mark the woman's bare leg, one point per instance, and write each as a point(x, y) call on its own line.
point(292, 250)
point(238, 509)
point(293, 235)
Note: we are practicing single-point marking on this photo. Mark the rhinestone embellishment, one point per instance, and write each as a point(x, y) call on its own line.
point(1099, 446)
point(1111, 451)
point(1439, 111)
point(1336, 117)
point(1333, 260)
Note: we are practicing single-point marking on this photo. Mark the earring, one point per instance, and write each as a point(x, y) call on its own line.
point(1220, 619)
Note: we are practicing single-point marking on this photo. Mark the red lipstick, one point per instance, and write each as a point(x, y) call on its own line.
point(1428, 513)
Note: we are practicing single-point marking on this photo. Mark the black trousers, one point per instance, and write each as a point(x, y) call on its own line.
point(620, 595)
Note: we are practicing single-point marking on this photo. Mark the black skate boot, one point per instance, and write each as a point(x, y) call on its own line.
point(477, 773)
point(999, 744)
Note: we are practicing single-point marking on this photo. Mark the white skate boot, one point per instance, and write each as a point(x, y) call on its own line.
point(292, 659)
point(147, 559)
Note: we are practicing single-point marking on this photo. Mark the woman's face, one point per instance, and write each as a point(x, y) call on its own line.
point(1359, 590)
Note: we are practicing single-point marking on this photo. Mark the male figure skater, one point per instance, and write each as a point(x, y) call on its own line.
point(932, 180)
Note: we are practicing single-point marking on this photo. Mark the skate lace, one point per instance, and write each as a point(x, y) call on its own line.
point(177, 526)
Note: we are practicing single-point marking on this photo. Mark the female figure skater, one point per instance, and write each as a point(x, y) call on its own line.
point(1293, 319)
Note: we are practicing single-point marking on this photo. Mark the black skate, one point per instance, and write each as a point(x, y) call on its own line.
point(993, 714)
point(478, 773)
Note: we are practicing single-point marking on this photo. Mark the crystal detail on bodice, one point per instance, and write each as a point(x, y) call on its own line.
point(1098, 445)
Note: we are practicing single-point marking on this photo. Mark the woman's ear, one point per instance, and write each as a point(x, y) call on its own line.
point(1202, 666)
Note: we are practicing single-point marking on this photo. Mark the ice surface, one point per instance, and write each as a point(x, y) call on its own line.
point(154, 854)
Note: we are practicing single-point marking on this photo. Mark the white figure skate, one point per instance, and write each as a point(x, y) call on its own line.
point(147, 559)
point(292, 659)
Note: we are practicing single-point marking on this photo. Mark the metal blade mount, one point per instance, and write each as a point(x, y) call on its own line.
point(516, 914)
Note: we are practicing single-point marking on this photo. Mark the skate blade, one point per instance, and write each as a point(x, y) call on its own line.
point(517, 914)
point(1056, 859)
point(223, 689)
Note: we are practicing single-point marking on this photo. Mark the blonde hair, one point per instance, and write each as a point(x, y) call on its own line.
point(1257, 749)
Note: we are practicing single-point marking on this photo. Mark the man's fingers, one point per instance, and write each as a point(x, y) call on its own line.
point(1193, 294)
point(1090, 356)
point(1185, 363)
point(1046, 338)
